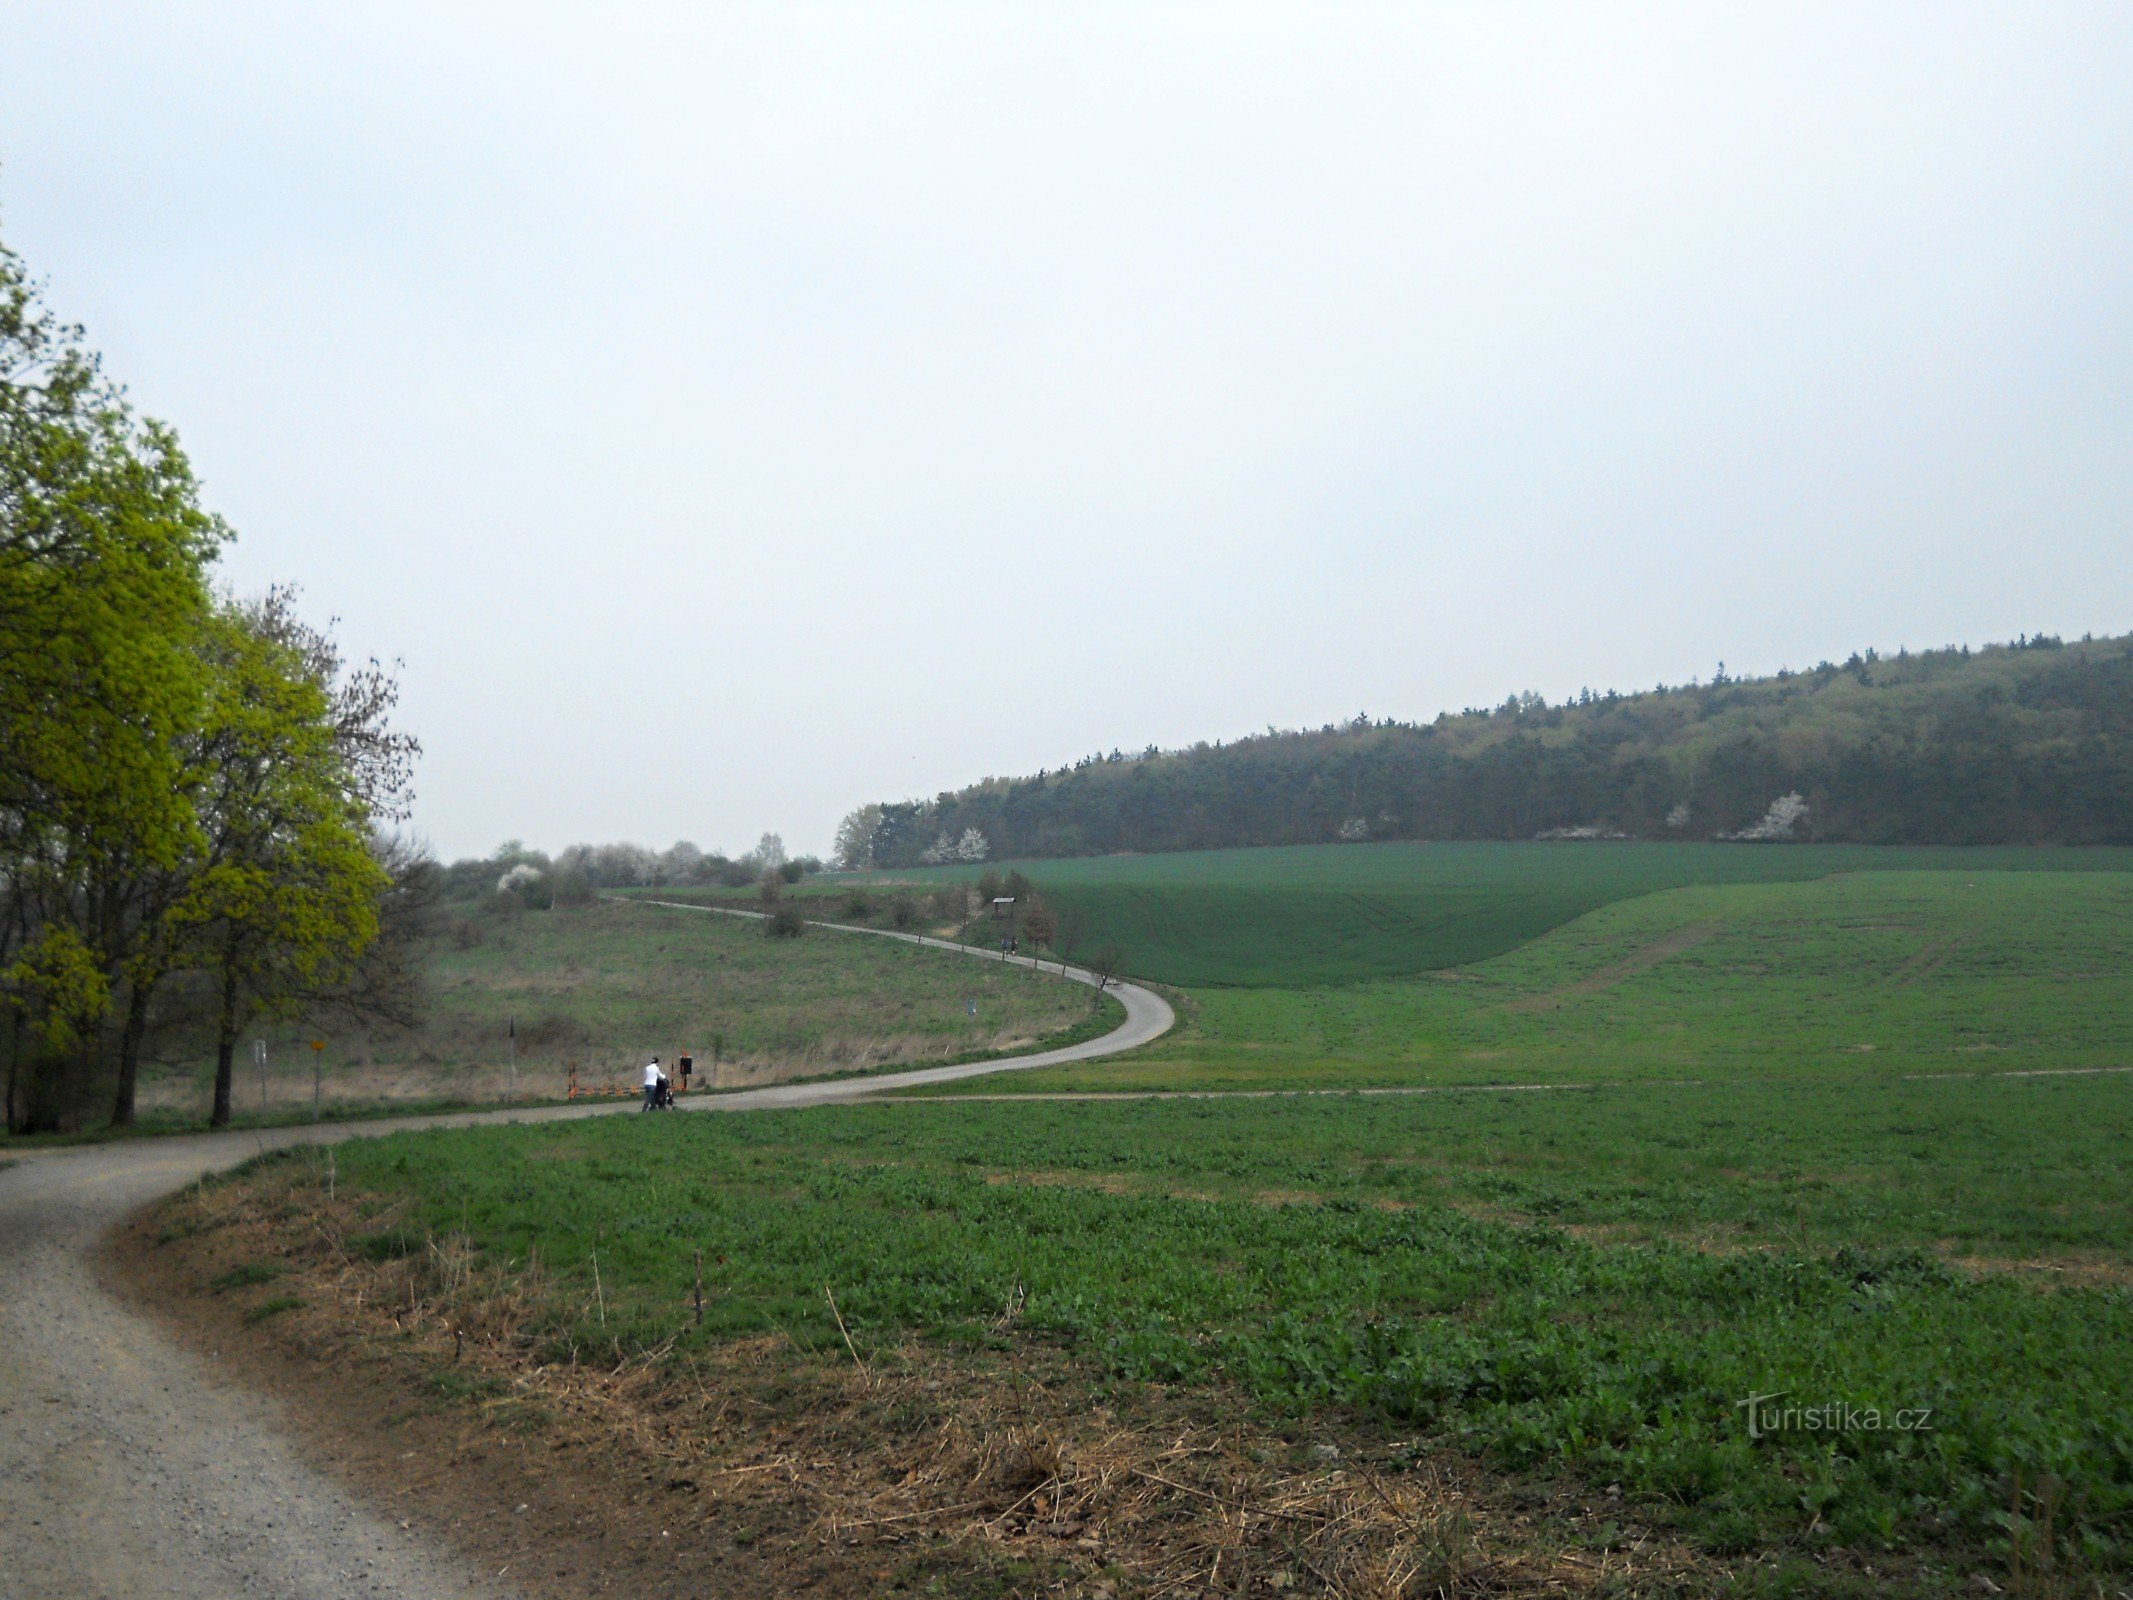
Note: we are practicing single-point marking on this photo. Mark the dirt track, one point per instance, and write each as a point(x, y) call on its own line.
point(130, 1468)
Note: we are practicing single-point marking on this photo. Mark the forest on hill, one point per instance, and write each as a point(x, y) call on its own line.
point(2021, 743)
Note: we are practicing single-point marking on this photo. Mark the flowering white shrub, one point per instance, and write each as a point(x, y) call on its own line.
point(972, 846)
point(1786, 813)
point(519, 877)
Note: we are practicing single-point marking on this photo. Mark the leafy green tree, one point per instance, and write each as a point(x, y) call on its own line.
point(104, 551)
point(286, 898)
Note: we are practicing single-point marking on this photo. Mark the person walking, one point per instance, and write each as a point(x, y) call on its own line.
point(653, 1079)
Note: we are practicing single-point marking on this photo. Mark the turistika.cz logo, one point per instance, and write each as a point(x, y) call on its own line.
point(1766, 1416)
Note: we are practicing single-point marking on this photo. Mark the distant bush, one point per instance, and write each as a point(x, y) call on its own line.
point(903, 911)
point(857, 906)
point(572, 889)
point(526, 883)
point(792, 872)
point(769, 888)
point(785, 922)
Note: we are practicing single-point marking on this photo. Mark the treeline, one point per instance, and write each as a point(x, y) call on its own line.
point(2022, 743)
point(190, 785)
point(513, 877)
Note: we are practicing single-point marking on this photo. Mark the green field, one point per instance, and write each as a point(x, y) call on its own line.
point(1578, 1282)
point(1868, 976)
point(1862, 1137)
point(1318, 914)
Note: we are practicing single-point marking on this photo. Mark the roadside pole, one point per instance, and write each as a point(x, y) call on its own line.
point(318, 1060)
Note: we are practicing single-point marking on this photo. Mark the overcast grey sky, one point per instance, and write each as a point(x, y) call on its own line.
point(733, 415)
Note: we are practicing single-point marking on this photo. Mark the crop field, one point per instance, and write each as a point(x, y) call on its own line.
point(1860, 1140)
point(1582, 1283)
point(1869, 975)
point(601, 987)
point(1319, 914)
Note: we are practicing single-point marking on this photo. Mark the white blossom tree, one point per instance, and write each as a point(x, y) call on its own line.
point(1786, 813)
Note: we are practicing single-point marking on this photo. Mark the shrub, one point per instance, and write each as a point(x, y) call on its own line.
point(857, 906)
point(785, 922)
point(903, 911)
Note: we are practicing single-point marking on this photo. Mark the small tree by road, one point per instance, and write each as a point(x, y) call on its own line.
point(1039, 925)
point(1106, 964)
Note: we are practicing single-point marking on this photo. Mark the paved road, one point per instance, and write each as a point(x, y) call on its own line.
point(132, 1469)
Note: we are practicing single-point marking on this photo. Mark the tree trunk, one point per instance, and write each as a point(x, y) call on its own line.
point(14, 1060)
point(225, 1058)
point(225, 1052)
point(129, 1056)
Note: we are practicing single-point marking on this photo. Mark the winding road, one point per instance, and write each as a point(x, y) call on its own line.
point(131, 1468)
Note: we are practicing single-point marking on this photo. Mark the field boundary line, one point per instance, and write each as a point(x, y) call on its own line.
point(2023, 1072)
point(1291, 1094)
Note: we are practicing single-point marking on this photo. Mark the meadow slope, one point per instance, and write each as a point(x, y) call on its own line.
point(1291, 916)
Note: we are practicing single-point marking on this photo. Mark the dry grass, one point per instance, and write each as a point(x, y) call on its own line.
point(849, 1471)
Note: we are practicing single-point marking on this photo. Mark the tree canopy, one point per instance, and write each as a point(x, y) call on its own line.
point(2022, 743)
point(188, 785)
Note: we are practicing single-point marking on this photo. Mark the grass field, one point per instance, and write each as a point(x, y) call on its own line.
point(1582, 1282)
point(603, 986)
point(1862, 1140)
point(1872, 975)
point(1319, 914)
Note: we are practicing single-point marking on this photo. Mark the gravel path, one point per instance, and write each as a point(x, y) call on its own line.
point(131, 1469)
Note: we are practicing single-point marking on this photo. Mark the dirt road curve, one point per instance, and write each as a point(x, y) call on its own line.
point(132, 1470)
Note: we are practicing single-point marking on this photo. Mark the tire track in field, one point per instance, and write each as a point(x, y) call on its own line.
point(1662, 949)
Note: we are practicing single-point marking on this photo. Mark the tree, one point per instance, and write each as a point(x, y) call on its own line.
point(1107, 963)
point(286, 898)
point(1040, 924)
point(855, 838)
point(104, 551)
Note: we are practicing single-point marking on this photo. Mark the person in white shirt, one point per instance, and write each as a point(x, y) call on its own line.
point(654, 1079)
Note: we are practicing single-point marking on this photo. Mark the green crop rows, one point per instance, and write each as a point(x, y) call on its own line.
point(1875, 974)
point(1317, 914)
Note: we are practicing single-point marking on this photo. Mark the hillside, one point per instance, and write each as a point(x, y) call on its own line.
point(2026, 743)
